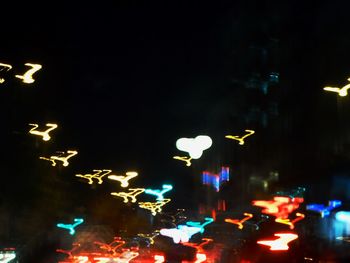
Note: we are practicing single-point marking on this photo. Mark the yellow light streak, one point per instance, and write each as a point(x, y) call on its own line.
point(184, 159)
point(150, 236)
point(239, 222)
point(342, 92)
point(124, 180)
point(27, 77)
point(287, 221)
point(8, 67)
point(240, 139)
point(98, 175)
point(133, 192)
point(154, 207)
point(44, 134)
point(63, 159)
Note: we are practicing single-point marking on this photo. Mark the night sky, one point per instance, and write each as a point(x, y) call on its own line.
point(125, 79)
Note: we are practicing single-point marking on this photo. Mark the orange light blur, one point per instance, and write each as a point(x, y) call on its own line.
point(280, 206)
point(239, 222)
point(287, 221)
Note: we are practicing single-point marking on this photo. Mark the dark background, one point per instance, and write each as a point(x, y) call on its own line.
point(125, 79)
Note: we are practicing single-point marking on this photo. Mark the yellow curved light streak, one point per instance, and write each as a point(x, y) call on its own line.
point(287, 221)
point(44, 134)
point(154, 207)
point(124, 180)
point(133, 192)
point(342, 92)
point(98, 176)
point(27, 77)
point(8, 67)
point(63, 159)
point(184, 159)
point(240, 139)
point(150, 236)
point(239, 222)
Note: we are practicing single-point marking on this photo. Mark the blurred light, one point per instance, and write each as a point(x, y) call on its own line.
point(111, 247)
point(64, 159)
point(346, 239)
point(280, 206)
point(81, 259)
point(69, 252)
point(71, 227)
point(343, 216)
point(281, 243)
point(159, 259)
point(8, 67)
point(201, 257)
point(124, 180)
point(322, 209)
point(240, 139)
point(199, 247)
point(298, 192)
point(181, 234)
point(7, 256)
point(126, 256)
point(208, 220)
point(184, 158)
point(287, 221)
point(150, 236)
point(44, 134)
point(154, 207)
point(342, 92)
point(159, 193)
point(239, 222)
point(216, 179)
point(194, 146)
point(27, 77)
point(133, 192)
point(98, 176)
